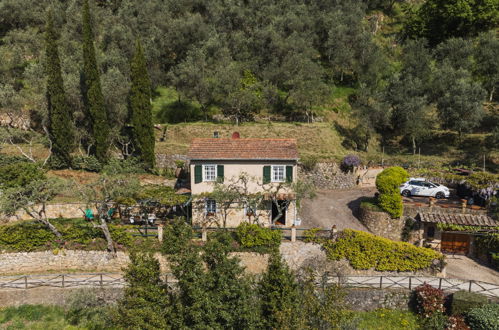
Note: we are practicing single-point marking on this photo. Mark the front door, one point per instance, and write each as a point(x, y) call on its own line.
point(279, 219)
point(455, 243)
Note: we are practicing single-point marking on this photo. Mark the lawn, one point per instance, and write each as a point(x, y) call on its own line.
point(35, 317)
point(386, 319)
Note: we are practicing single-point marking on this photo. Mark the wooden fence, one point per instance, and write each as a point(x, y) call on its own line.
point(377, 282)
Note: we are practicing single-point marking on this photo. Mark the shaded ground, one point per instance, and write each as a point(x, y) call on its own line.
point(462, 267)
point(334, 207)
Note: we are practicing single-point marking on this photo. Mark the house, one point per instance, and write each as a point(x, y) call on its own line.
point(260, 170)
point(454, 232)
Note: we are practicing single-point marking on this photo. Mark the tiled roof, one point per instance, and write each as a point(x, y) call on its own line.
point(228, 149)
point(459, 219)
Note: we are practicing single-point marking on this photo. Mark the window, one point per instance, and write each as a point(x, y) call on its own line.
point(211, 206)
point(430, 232)
point(209, 172)
point(278, 173)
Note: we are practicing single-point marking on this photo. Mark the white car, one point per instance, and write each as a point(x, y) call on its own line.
point(421, 187)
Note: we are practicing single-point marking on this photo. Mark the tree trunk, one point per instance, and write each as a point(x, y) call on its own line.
point(107, 235)
point(491, 95)
point(413, 145)
point(42, 217)
point(50, 226)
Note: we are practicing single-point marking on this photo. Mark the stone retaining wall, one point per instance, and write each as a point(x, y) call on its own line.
point(358, 299)
point(381, 224)
point(328, 176)
point(66, 210)
point(62, 261)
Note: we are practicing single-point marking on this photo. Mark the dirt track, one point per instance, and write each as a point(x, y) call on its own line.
point(334, 207)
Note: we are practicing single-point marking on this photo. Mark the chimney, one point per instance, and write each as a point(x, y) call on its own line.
point(235, 135)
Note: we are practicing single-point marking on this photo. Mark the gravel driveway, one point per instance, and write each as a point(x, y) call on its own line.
point(334, 207)
point(468, 269)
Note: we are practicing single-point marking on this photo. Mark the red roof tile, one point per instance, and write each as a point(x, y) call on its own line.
point(262, 149)
point(459, 219)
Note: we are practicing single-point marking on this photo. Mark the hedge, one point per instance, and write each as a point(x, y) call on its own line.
point(463, 301)
point(388, 184)
point(366, 251)
point(34, 236)
point(484, 318)
point(254, 236)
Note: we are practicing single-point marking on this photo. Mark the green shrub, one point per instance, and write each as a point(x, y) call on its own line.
point(366, 251)
point(252, 235)
point(309, 162)
point(25, 236)
point(123, 166)
point(484, 318)
point(437, 321)
point(463, 301)
point(86, 163)
point(19, 174)
point(312, 236)
point(388, 183)
point(371, 204)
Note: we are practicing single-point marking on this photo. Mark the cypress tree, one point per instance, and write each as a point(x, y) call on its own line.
point(92, 92)
point(60, 126)
point(140, 109)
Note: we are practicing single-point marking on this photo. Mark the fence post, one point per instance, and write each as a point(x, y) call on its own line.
point(469, 288)
point(204, 234)
point(440, 283)
point(101, 281)
point(25, 281)
point(410, 282)
point(160, 232)
point(63, 280)
point(293, 234)
point(381, 282)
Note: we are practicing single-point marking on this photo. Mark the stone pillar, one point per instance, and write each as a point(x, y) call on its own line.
point(204, 234)
point(431, 201)
point(160, 233)
point(463, 205)
point(293, 233)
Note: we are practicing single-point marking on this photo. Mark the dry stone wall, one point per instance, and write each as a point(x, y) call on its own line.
point(381, 224)
point(328, 176)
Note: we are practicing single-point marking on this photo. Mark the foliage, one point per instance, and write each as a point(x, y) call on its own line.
point(484, 318)
point(463, 301)
point(145, 304)
point(371, 204)
point(34, 236)
point(87, 163)
point(455, 227)
point(386, 319)
point(175, 236)
point(349, 162)
point(309, 162)
point(140, 109)
point(436, 321)
point(488, 245)
point(439, 20)
point(311, 236)
point(429, 300)
point(252, 235)
point(93, 98)
point(163, 195)
point(60, 125)
point(19, 174)
point(457, 323)
point(86, 309)
point(388, 183)
point(366, 251)
point(36, 317)
point(279, 295)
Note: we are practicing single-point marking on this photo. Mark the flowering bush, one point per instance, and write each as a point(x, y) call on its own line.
point(457, 323)
point(429, 300)
point(349, 162)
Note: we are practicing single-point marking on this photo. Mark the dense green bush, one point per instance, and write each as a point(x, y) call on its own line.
point(484, 318)
point(463, 301)
point(388, 183)
point(312, 236)
point(488, 245)
point(77, 234)
point(123, 166)
point(365, 251)
point(19, 174)
point(371, 204)
point(252, 235)
point(87, 163)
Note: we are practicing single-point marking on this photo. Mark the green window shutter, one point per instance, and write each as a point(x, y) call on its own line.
point(289, 173)
point(198, 173)
point(266, 174)
point(220, 173)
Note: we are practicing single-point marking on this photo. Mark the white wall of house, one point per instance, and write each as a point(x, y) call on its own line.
point(232, 171)
point(237, 214)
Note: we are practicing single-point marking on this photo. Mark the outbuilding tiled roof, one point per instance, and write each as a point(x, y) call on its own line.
point(238, 149)
point(459, 219)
